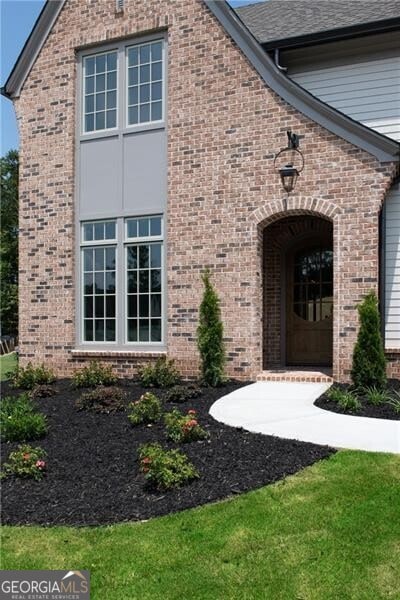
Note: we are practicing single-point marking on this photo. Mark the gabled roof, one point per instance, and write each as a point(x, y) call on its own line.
point(32, 47)
point(380, 146)
point(284, 23)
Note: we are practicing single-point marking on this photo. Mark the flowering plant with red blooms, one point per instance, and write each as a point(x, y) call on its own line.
point(26, 461)
point(183, 428)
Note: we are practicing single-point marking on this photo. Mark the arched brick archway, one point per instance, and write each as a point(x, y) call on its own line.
point(298, 205)
point(299, 214)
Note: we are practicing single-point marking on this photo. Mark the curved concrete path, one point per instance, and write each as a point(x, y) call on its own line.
point(286, 409)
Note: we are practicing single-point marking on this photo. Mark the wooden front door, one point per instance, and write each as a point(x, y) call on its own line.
point(309, 305)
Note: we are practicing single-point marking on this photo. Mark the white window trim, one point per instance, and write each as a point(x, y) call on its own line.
point(121, 309)
point(83, 88)
point(137, 241)
point(158, 122)
point(147, 238)
point(82, 303)
point(122, 88)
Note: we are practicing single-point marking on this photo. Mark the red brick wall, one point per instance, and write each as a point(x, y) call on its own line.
point(224, 126)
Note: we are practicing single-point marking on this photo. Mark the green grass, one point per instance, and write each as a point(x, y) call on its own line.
point(8, 363)
point(331, 531)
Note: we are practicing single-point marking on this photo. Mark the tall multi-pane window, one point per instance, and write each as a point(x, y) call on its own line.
point(139, 70)
point(145, 82)
point(144, 279)
point(122, 280)
point(99, 281)
point(100, 91)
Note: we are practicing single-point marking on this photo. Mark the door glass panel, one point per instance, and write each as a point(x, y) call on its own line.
point(313, 284)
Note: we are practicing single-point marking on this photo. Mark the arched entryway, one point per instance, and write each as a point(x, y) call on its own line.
point(298, 292)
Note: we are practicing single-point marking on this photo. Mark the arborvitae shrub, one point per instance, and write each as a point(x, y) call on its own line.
point(369, 363)
point(210, 336)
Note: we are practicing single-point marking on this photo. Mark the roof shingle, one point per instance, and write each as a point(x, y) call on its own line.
point(281, 19)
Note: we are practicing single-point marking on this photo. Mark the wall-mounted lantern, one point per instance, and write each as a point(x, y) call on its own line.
point(289, 172)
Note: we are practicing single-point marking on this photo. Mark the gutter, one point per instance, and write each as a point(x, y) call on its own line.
point(380, 146)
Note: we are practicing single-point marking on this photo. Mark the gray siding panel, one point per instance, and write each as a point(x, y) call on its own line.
point(100, 178)
point(360, 77)
point(145, 172)
point(392, 268)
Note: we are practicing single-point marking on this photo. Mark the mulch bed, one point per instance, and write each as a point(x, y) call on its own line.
point(384, 411)
point(93, 476)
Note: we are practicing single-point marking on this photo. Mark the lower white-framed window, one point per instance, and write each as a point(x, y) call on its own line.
point(144, 282)
point(99, 273)
point(122, 281)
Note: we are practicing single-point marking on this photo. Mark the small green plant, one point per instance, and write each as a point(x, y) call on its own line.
point(210, 336)
point(20, 421)
point(182, 393)
point(347, 400)
point(333, 394)
point(26, 461)
point(145, 410)
point(165, 469)
point(102, 399)
point(369, 362)
point(394, 402)
point(375, 396)
point(162, 374)
point(28, 377)
point(183, 428)
point(94, 374)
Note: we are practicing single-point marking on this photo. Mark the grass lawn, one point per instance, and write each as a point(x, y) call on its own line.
point(331, 531)
point(8, 362)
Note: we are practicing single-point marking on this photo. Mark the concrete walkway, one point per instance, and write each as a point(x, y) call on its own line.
point(286, 409)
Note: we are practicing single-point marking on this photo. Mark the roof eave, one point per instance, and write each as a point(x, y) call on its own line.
point(31, 49)
point(380, 146)
point(334, 35)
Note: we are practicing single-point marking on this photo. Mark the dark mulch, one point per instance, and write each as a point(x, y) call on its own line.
point(384, 411)
point(93, 476)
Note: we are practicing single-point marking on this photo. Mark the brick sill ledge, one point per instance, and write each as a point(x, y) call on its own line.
point(392, 350)
point(119, 353)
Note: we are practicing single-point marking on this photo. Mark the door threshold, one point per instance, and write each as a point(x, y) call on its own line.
point(302, 374)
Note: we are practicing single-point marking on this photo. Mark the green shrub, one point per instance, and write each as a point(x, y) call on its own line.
point(145, 410)
point(376, 396)
point(369, 363)
point(20, 421)
point(102, 400)
point(94, 374)
point(394, 402)
point(28, 377)
point(210, 336)
point(182, 393)
point(161, 374)
point(165, 469)
point(183, 428)
point(26, 461)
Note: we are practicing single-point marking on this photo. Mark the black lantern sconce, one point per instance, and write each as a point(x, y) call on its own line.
point(289, 173)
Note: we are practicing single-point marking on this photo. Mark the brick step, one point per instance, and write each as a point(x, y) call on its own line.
point(307, 375)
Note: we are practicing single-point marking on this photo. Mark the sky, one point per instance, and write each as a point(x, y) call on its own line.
point(17, 18)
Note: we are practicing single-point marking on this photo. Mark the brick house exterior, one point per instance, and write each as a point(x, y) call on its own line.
point(225, 201)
